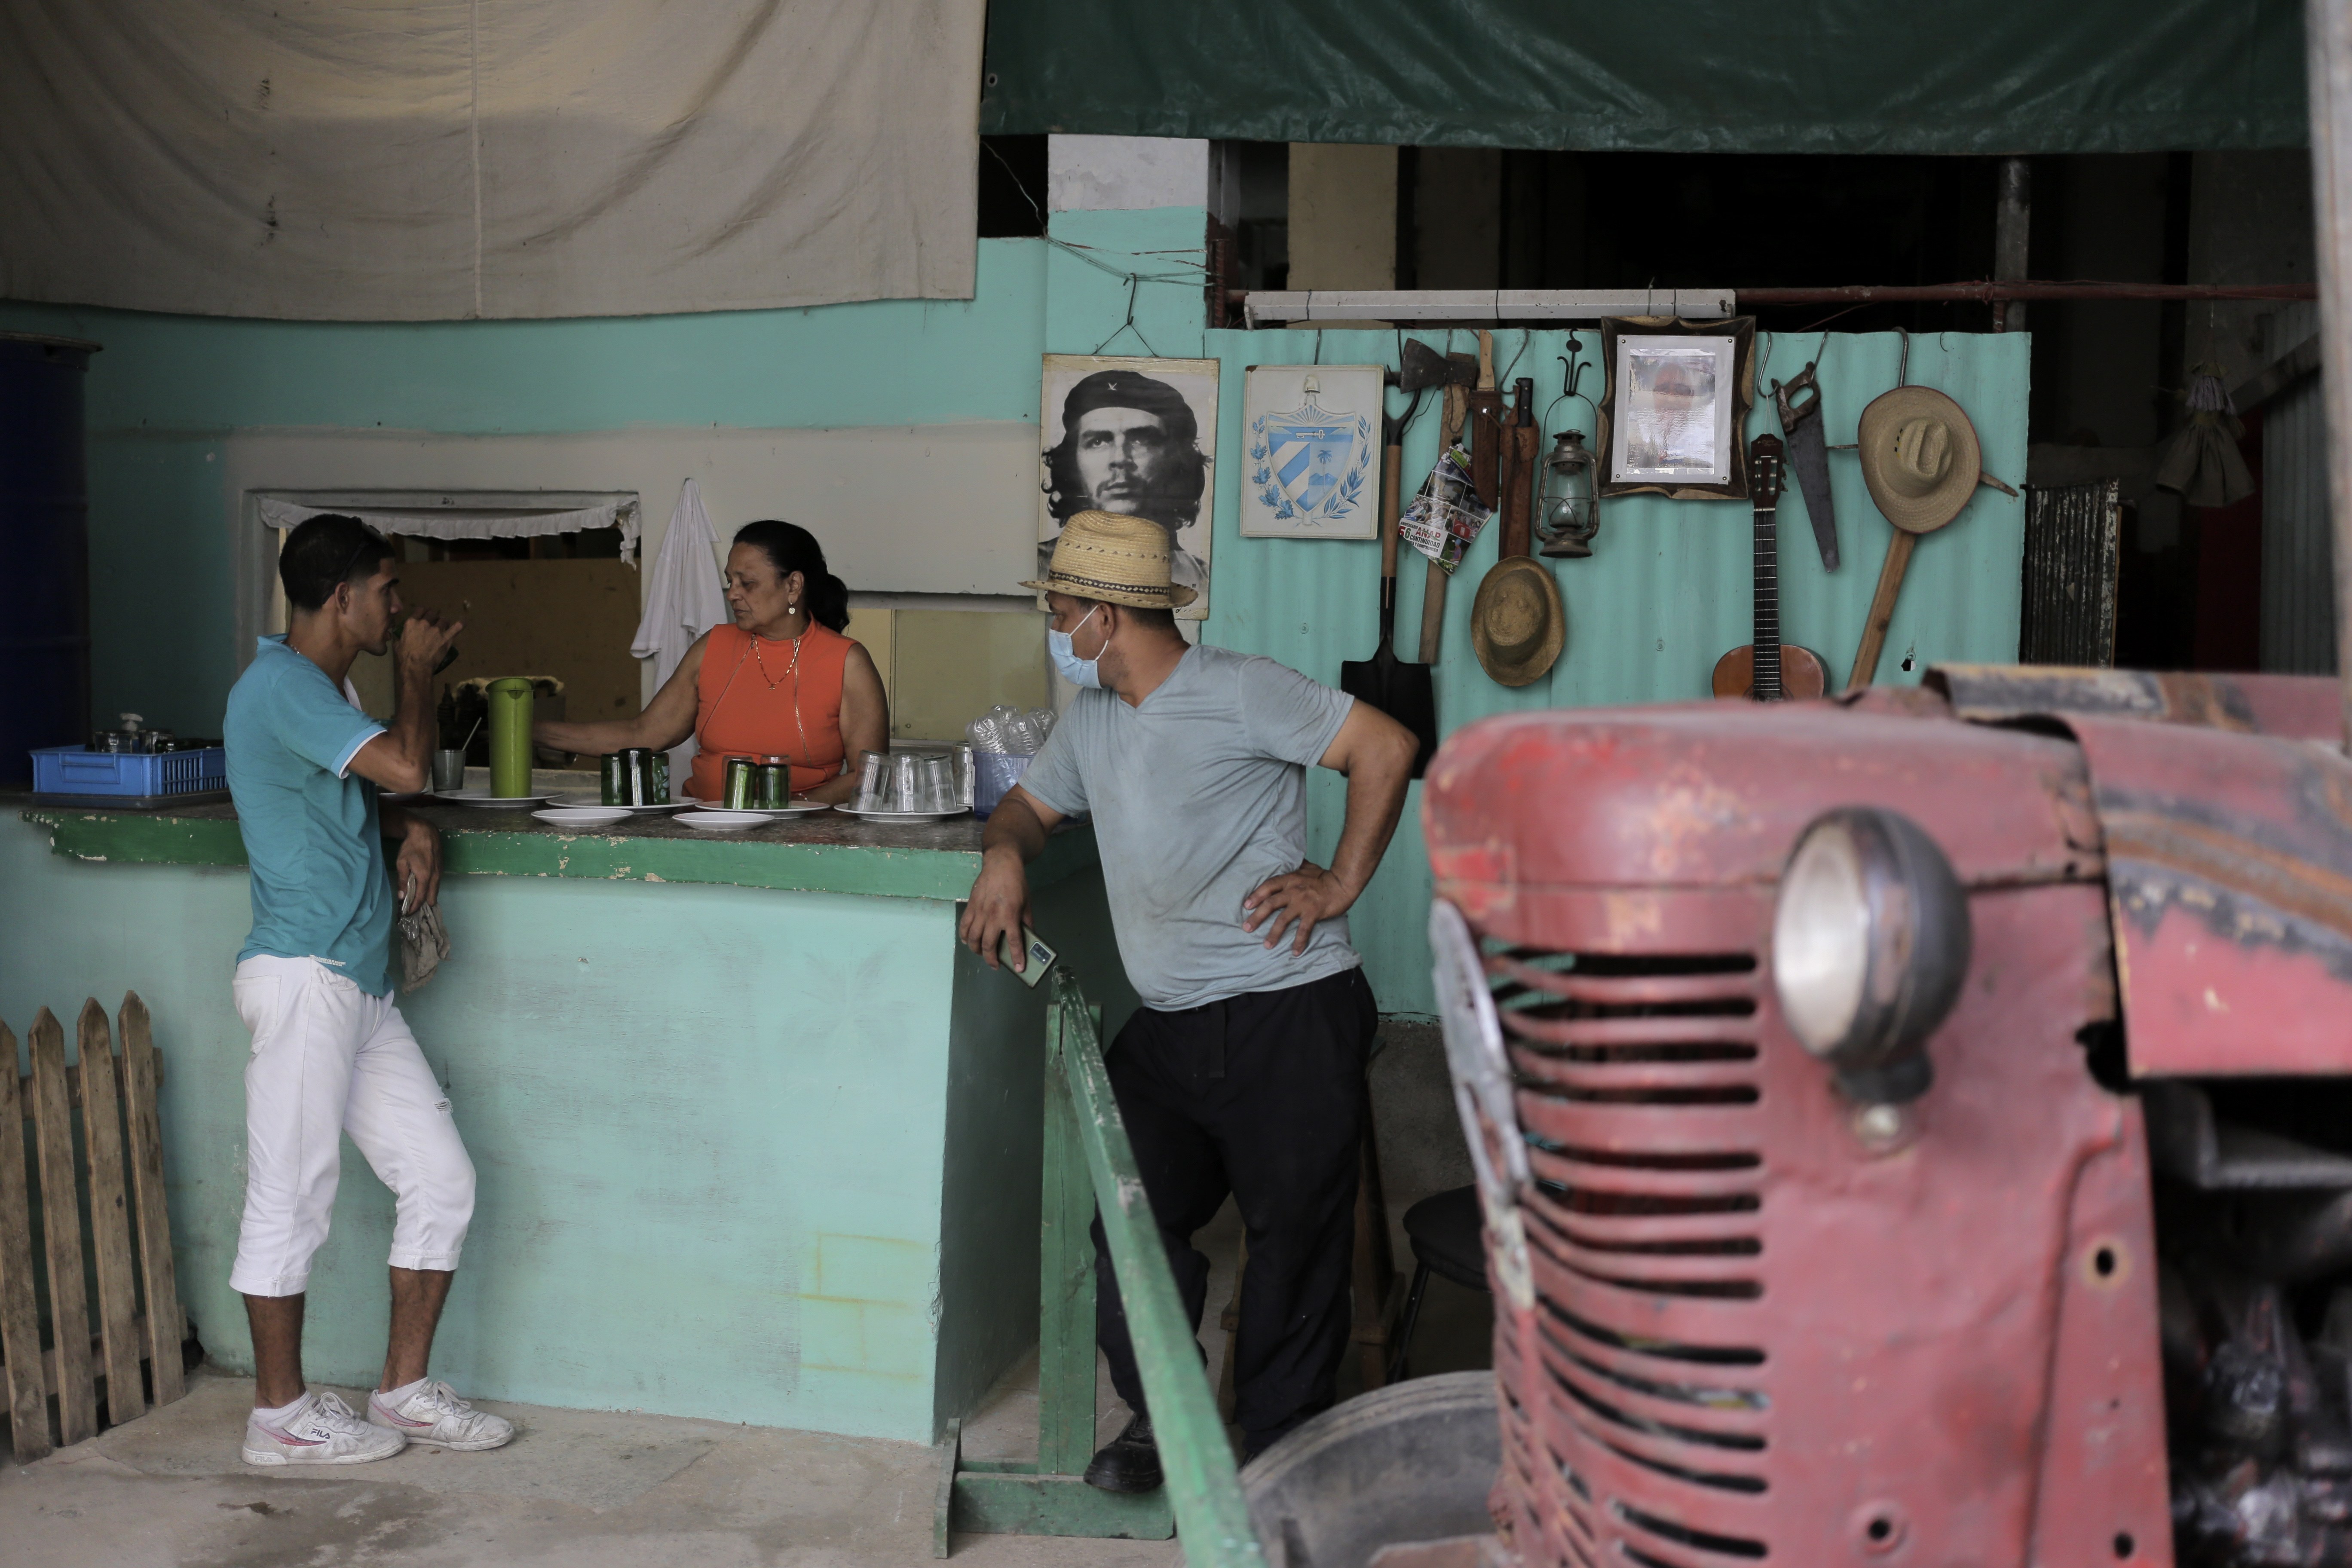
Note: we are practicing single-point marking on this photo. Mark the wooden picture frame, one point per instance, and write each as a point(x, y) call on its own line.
point(1675, 395)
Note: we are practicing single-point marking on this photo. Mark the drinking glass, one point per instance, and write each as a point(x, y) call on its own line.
point(873, 780)
point(936, 782)
point(448, 772)
point(906, 781)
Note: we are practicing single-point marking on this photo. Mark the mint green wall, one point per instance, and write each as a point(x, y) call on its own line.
point(710, 1126)
point(167, 392)
point(1666, 592)
point(1668, 589)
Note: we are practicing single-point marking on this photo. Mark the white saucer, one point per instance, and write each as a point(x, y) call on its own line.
point(902, 815)
point(800, 808)
point(484, 797)
point(583, 816)
point(707, 821)
point(593, 803)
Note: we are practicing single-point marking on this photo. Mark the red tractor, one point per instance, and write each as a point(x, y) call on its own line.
point(1913, 1129)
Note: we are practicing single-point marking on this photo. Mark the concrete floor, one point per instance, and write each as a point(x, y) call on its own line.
point(593, 1488)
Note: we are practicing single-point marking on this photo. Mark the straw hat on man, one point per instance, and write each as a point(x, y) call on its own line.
point(1243, 1072)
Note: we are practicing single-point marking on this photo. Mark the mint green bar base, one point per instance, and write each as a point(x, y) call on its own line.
point(755, 1139)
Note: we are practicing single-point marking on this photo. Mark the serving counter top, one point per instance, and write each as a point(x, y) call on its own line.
point(826, 853)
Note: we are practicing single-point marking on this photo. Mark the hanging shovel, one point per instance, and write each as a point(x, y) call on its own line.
point(1399, 689)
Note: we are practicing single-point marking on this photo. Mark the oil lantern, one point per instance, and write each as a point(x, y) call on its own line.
point(1568, 508)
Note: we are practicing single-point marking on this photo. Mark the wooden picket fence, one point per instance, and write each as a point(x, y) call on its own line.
point(130, 1240)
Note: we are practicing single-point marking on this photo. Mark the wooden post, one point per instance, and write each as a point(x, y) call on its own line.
point(61, 1228)
point(142, 1071)
point(20, 1318)
point(2328, 53)
point(109, 1216)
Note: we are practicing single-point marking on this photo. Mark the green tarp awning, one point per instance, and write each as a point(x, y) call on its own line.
point(1681, 75)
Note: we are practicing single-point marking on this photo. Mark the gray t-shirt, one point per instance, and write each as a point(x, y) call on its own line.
point(1198, 795)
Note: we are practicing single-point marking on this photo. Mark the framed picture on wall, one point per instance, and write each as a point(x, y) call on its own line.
point(1133, 436)
point(1675, 401)
point(1313, 433)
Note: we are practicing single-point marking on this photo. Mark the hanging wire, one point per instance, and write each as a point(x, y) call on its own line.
point(1133, 282)
point(1903, 366)
point(1527, 336)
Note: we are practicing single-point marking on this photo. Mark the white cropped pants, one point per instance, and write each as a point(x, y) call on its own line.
point(328, 1058)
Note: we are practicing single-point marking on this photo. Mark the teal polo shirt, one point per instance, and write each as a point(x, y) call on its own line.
point(319, 890)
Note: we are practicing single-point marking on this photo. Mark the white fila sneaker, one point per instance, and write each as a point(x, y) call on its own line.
point(321, 1431)
point(435, 1416)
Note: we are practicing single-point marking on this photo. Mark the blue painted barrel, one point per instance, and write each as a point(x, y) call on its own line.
point(45, 540)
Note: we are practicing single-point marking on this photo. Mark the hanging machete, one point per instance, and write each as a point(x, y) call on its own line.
point(1800, 423)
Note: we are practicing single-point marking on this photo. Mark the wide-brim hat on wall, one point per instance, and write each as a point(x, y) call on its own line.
point(1517, 625)
point(1119, 559)
point(1920, 458)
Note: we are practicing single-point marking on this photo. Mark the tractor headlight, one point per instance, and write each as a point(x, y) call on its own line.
point(1870, 943)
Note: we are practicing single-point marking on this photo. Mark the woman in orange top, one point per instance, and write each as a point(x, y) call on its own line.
point(783, 682)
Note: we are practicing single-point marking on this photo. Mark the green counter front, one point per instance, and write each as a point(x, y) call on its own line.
point(756, 1139)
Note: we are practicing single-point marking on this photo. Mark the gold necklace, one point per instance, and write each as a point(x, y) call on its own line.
point(792, 668)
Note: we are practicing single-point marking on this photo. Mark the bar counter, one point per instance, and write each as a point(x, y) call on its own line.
point(756, 1140)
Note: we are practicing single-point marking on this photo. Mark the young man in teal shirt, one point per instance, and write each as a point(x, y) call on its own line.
point(330, 1052)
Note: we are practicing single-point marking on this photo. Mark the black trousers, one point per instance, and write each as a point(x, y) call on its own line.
point(1261, 1095)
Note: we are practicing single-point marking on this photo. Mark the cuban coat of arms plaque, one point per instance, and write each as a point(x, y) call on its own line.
point(1312, 438)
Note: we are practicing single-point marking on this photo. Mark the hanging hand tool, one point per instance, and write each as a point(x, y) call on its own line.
point(1800, 400)
point(1485, 424)
point(1401, 691)
point(1461, 376)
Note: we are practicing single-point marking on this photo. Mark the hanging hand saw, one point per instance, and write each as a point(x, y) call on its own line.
point(1800, 401)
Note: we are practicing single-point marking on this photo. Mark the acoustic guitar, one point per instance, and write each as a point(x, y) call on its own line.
point(1768, 670)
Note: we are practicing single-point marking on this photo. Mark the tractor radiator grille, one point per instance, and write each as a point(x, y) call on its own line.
point(1636, 1416)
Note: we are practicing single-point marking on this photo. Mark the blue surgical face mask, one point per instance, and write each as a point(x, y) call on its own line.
point(1076, 670)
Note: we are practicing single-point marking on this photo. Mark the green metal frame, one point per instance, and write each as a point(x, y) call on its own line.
point(1088, 1161)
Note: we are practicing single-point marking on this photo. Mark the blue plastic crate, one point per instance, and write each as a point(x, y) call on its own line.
point(129, 775)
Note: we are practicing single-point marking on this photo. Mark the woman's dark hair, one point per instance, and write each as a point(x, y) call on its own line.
point(791, 548)
point(325, 552)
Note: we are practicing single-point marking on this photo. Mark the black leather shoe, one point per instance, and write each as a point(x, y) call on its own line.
point(1129, 1462)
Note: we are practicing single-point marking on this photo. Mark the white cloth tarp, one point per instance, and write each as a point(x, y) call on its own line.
point(461, 522)
point(683, 599)
point(360, 160)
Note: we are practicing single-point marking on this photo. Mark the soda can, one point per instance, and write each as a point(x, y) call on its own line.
point(660, 795)
point(649, 791)
point(738, 784)
point(616, 789)
point(772, 785)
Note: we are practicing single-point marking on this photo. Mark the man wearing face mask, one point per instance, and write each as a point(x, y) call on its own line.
point(1243, 1071)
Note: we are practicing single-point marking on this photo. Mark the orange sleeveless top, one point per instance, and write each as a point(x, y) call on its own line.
point(761, 698)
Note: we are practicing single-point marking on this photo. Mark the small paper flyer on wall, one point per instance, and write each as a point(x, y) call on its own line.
point(1446, 515)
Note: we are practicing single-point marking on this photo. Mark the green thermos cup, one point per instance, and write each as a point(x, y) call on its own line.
point(511, 737)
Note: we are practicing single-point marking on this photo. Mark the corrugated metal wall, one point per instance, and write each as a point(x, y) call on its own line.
point(2298, 626)
point(2073, 546)
point(1667, 591)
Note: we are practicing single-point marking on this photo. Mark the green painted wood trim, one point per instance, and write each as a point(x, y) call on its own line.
point(876, 870)
point(1203, 1488)
point(1065, 1285)
point(989, 1504)
point(142, 838)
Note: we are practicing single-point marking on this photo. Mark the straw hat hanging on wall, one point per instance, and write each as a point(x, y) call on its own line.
point(1517, 625)
point(1920, 458)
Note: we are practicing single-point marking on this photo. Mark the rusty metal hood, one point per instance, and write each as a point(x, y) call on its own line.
point(1711, 794)
point(2230, 874)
